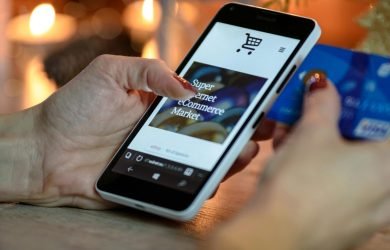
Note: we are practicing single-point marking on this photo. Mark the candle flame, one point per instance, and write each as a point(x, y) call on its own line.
point(148, 10)
point(42, 19)
point(37, 86)
point(150, 50)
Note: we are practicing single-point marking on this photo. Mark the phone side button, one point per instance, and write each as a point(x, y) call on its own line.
point(286, 79)
point(258, 120)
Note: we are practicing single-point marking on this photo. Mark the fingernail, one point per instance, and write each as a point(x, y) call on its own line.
point(185, 84)
point(315, 80)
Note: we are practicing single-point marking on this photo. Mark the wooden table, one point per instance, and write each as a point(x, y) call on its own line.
point(30, 227)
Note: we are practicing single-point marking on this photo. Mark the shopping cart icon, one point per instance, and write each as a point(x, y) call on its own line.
point(250, 43)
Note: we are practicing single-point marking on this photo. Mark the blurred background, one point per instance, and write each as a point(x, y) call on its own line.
point(46, 43)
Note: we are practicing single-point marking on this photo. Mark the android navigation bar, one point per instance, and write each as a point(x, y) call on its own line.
point(157, 170)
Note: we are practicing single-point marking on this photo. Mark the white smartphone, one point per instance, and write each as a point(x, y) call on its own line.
point(178, 153)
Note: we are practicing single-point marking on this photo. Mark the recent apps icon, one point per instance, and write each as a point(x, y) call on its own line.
point(156, 176)
point(188, 171)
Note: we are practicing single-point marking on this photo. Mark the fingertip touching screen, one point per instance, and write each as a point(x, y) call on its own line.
point(182, 140)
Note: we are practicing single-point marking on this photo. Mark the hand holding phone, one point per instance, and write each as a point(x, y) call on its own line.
point(178, 153)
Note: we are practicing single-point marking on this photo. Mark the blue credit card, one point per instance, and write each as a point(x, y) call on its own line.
point(363, 82)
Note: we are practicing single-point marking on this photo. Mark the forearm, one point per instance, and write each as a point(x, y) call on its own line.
point(20, 156)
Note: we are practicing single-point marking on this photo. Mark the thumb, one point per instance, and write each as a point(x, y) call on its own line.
point(133, 73)
point(322, 106)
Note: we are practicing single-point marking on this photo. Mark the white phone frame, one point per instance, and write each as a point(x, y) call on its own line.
point(232, 153)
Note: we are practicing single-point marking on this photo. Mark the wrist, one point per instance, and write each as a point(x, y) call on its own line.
point(20, 156)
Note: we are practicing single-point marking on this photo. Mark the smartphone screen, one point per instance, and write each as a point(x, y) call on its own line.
point(181, 141)
point(236, 65)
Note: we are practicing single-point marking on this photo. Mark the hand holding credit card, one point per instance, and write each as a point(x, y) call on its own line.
point(363, 82)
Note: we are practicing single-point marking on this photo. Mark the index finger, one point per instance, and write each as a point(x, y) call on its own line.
point(132, 73)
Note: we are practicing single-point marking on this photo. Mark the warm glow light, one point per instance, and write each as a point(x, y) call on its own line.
point(188, 12)
point(42, 19)
point(148, 11)
point(176, 8)
point(37, 85)
point(150, 50)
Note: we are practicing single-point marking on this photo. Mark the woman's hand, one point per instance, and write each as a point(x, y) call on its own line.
point(319, 192)
point(82, 124)
point(77, 130)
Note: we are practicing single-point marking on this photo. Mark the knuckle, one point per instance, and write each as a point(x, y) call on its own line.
point(103, 58)
point(144, 72)
point(102, 61)
point(156, 63)
point(150, 69)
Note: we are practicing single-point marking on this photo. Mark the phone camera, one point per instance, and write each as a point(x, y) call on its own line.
point(232, 8)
